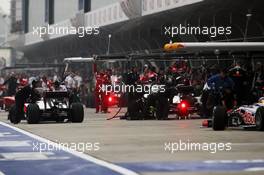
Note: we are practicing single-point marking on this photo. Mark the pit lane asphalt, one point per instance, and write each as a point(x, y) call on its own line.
point(139, 145)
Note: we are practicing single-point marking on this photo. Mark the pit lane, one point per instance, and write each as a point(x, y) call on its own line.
point(139, 145)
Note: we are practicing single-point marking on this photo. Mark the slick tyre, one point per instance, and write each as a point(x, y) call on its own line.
point(77, 113)
point(134, 112)
point(12, 116)
point(260, 119)
point(162, 109)
point(33, 114)
point(219, 118)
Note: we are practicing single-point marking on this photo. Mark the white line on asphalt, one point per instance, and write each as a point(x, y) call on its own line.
point(25, 156)
point(108, 165)
point(258, 161)
point(255, 169)
point(7, 134)
point(226, 161)
point(15, 143)
point(1, 173)
point(243, 161)
point(234, 161)
point(248, 144)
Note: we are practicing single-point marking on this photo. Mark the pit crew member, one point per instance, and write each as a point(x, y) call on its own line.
point(238, 75)
point(22, 95)
point(106, 80)
point(223, 85)
point(97, 91)
point(12, 83)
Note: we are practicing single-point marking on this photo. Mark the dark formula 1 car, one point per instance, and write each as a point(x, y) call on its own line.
point(173, 99)
point(184, 103)
point(148, 106)
point(244, 116)
point(53, 106)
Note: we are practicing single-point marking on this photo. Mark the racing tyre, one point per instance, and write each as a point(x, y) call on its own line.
point(134, 110)
point(162, 109)
point(77, 113)
point(12, 114)
point(33, 114)
point(219, 118)
point(260, 119)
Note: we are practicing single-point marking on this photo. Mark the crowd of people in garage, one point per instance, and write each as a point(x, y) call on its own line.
point(244, 82)
point(13, 81)
point(241, 78)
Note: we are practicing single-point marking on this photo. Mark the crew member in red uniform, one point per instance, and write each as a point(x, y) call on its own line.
point(104, 95)
point(50, 84)
point(98, 90)
point(238, 75)
point(144, 77)
point(152, 75)
point(23, 82)
point(173, 68)
point(148, 75)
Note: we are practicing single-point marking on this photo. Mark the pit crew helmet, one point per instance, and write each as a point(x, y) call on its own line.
point(33, 81)
point(261, 100)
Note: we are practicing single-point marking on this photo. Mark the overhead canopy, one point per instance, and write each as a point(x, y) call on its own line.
point(146, 33)
point(222, 46)
point(187, 50)
point(78, 60)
